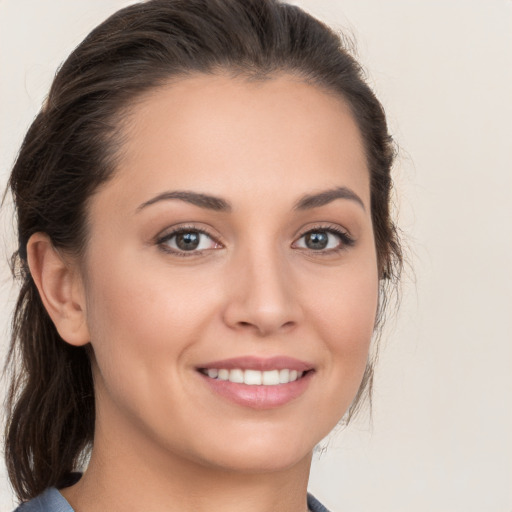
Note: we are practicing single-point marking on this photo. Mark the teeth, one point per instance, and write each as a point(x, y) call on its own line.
point(223, 374)
point(213, 373)
point(271, 378)
point(254, 377)
point(236, 375)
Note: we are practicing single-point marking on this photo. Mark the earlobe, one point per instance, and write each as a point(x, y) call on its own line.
point(60, 288)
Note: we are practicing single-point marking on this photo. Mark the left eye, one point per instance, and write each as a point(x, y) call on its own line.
point(188, 240)
point(321, 239)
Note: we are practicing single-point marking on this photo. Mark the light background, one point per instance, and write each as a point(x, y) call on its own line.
point(441, 435)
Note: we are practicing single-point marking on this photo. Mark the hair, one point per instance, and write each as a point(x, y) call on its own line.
point(72, 146)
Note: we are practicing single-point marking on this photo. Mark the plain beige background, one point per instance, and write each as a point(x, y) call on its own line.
point(441, 435)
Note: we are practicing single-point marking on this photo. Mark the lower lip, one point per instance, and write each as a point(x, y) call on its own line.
point(259, 397)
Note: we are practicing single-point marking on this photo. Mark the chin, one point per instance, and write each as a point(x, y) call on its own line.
point(264, 450)
point(272, 460)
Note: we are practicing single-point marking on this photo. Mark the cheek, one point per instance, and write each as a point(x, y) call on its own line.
point(139, 314)
point(345, 315)
point(142, 325)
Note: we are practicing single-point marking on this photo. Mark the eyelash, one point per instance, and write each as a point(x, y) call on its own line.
point(161, 241)
point(346, 240)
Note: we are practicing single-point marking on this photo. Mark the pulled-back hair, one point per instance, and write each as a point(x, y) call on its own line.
point(72, 146)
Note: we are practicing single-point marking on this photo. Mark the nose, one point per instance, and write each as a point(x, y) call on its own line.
point(261, 295)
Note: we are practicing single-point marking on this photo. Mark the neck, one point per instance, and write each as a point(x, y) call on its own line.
point(134, 489)
point(122, 478)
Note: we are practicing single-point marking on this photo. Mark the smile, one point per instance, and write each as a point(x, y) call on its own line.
point(254, 377)
point(258, 383)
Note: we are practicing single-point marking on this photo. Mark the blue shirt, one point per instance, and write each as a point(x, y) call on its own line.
point(52, 501)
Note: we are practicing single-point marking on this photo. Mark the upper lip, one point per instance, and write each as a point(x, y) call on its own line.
point(259, 363)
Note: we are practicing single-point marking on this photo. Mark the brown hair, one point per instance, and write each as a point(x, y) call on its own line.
point(71, 148)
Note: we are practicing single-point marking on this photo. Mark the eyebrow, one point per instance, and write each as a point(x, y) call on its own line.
point(327, 196)
point(218, 204)
point(202, 200)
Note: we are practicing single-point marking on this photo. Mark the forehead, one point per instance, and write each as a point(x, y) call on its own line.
point(229, 135)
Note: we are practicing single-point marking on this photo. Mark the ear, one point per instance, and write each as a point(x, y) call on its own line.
point(61, 289)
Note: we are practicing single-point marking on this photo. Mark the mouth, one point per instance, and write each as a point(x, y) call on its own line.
point(258, 383)
point(254, 377)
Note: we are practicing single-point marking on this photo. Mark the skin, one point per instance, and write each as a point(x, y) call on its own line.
point(255, 288)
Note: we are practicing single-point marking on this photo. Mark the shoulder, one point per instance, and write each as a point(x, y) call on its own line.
point(314, 505)
point(50, 501)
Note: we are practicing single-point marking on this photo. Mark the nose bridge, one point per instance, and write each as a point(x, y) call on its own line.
point(261, 295)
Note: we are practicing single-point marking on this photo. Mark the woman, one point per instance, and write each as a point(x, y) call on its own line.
point(204, 243)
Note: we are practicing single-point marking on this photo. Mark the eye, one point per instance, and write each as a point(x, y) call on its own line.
point(324, 239)
point(185, 240)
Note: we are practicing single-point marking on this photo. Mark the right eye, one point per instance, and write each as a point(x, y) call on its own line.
point(187, 240)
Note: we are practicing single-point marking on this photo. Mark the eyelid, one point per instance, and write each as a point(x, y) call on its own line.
point(173, 231)
point(346, 239)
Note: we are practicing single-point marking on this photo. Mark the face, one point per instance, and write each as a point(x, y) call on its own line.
point(231, 276)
